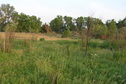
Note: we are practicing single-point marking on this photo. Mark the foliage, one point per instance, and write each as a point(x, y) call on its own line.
point(112, 28)
point(121, 23)
point(80, 22)
point(24, 22)
point(68, 22)
point(35, 24)
point(9, 36)
point(57, 24)
point(99, 30)
point(28, 23)
point(94, 44)
point(67, 32)
point(42, 39)
point(116, 45)
point(7, 15)
point(61, 62)
point(36, 62)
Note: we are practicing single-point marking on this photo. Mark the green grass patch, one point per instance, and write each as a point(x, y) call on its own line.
point(47, 62)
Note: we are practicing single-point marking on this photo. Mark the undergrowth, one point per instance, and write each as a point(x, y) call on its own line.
point(61, 62)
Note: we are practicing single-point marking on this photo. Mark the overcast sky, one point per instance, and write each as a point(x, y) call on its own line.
point(49, 9)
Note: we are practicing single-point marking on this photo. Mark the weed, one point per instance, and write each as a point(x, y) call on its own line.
point(53, 62)
point(8, 40)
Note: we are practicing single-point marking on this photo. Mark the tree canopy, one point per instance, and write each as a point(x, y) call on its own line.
point(7, 15)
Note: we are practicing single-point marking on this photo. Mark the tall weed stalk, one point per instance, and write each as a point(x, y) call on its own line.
point(8, 39)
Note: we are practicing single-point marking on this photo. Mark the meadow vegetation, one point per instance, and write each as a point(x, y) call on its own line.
point(59, 62)
point(94, 53)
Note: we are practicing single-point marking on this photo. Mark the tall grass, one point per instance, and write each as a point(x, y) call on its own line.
point(60, 62)
point(6, 42)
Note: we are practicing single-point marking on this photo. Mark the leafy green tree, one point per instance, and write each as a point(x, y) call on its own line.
point(57, 24)
point(7, 15)
point(99, 31)
point(124, 22)
point(80, 22)
point(15, 17)
point(112, 28)
point(68, 21)
point(121, 23)
point(23, 23)
point(35, 24)
point(28, 23)
point(99, 28)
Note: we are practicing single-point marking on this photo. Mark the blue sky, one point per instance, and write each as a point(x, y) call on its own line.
point(49, 9)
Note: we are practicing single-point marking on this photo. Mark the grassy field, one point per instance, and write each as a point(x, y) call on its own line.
point(62, 62)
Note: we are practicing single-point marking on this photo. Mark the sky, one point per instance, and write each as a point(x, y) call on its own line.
point(49, 9)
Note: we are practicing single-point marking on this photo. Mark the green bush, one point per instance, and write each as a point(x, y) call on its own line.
point(109, 45)
point(66, 33)
point(42, 39)
point(62, 42)
point(93, 44)
point(105, 44)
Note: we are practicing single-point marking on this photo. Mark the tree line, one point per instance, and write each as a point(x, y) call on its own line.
point(64, 25)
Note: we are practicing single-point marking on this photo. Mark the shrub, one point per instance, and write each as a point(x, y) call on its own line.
point(66, 33)
point(105, 44)
point(93, 44)
point(113, 45)
point(42, 39)
point(110, 45)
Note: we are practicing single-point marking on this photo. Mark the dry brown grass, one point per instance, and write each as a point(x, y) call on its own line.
point(37, 36)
